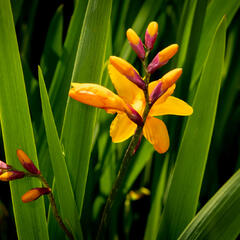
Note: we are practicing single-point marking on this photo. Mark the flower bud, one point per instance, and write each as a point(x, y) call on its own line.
point(164, 84)
point(136, 43)
point(162, 58)
point(27, 162)
point(151, 35)
point(11, 175)
point(156, 93)
point(34, 194)
point(4, 166)
point(128, 71)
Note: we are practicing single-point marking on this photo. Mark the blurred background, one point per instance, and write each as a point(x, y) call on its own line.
point(33, 20)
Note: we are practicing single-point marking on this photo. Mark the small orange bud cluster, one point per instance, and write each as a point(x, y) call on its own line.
point(8, 173)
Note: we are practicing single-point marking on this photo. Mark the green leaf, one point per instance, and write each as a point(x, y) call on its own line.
point(219, 218)
point(17, 129)
point(216, 10)
point(53, 46)
point(65, 194)
point(78, 128)
point(144, 154)
point(185, 187)
point(61, 82)
point(152, 226)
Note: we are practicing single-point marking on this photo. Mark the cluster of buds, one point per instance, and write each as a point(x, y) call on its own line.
point(142, 51)
point(9, 173)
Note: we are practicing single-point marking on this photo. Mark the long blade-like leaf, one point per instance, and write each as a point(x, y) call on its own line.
point(65, 194)
point(79, 120)
point(185, 187)
point(220, 217)
point(17, 129)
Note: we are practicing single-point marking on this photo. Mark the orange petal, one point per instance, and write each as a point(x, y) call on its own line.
point(172, 106)
point(125, 88)
point(98, 96)
point(155, 131)
point(122, 128)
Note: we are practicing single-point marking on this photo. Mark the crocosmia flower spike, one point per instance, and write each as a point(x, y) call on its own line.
point(34, 194)
point(162, 58)
point(151, 35)
point(138, 102)
point(136, 43)
point(11, 175)
point(27, 162)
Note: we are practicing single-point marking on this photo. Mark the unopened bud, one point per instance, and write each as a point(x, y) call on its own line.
point(27, 162)
point(11, 175)
point(165, 83)
point(4, 166)
point(156, 93)
point(136, 43)
point(128, 71)
point(151, 35)
point(162, 58)
point(34, 194)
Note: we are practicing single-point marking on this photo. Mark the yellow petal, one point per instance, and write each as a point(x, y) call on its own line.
point(125, 88)
point(122, 128)
point(97, 96)
point(172, 106)
point(155, 131)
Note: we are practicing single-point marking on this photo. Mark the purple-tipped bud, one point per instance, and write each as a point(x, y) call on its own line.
point(136, 43)
point(128, 71)
point(135, 116)
point(11, 175)
point(157, 93)
point(151, 35)
point(27, 162)
point(4, 166)
point(34, 194)
point(162, 58)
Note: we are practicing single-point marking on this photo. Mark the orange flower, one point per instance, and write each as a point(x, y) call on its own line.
point(130, 103)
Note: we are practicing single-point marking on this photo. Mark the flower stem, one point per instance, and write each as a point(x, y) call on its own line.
point(119, 181)
point(54, 209)
point(117, 186)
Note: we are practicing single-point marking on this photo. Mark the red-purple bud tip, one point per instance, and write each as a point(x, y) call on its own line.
point(27, 162)
point(11, 175)
point(135, 116)
point(34, 194)
point(156, 93)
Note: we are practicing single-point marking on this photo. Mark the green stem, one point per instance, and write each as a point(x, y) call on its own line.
point(116, 189)
point(125, 163)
